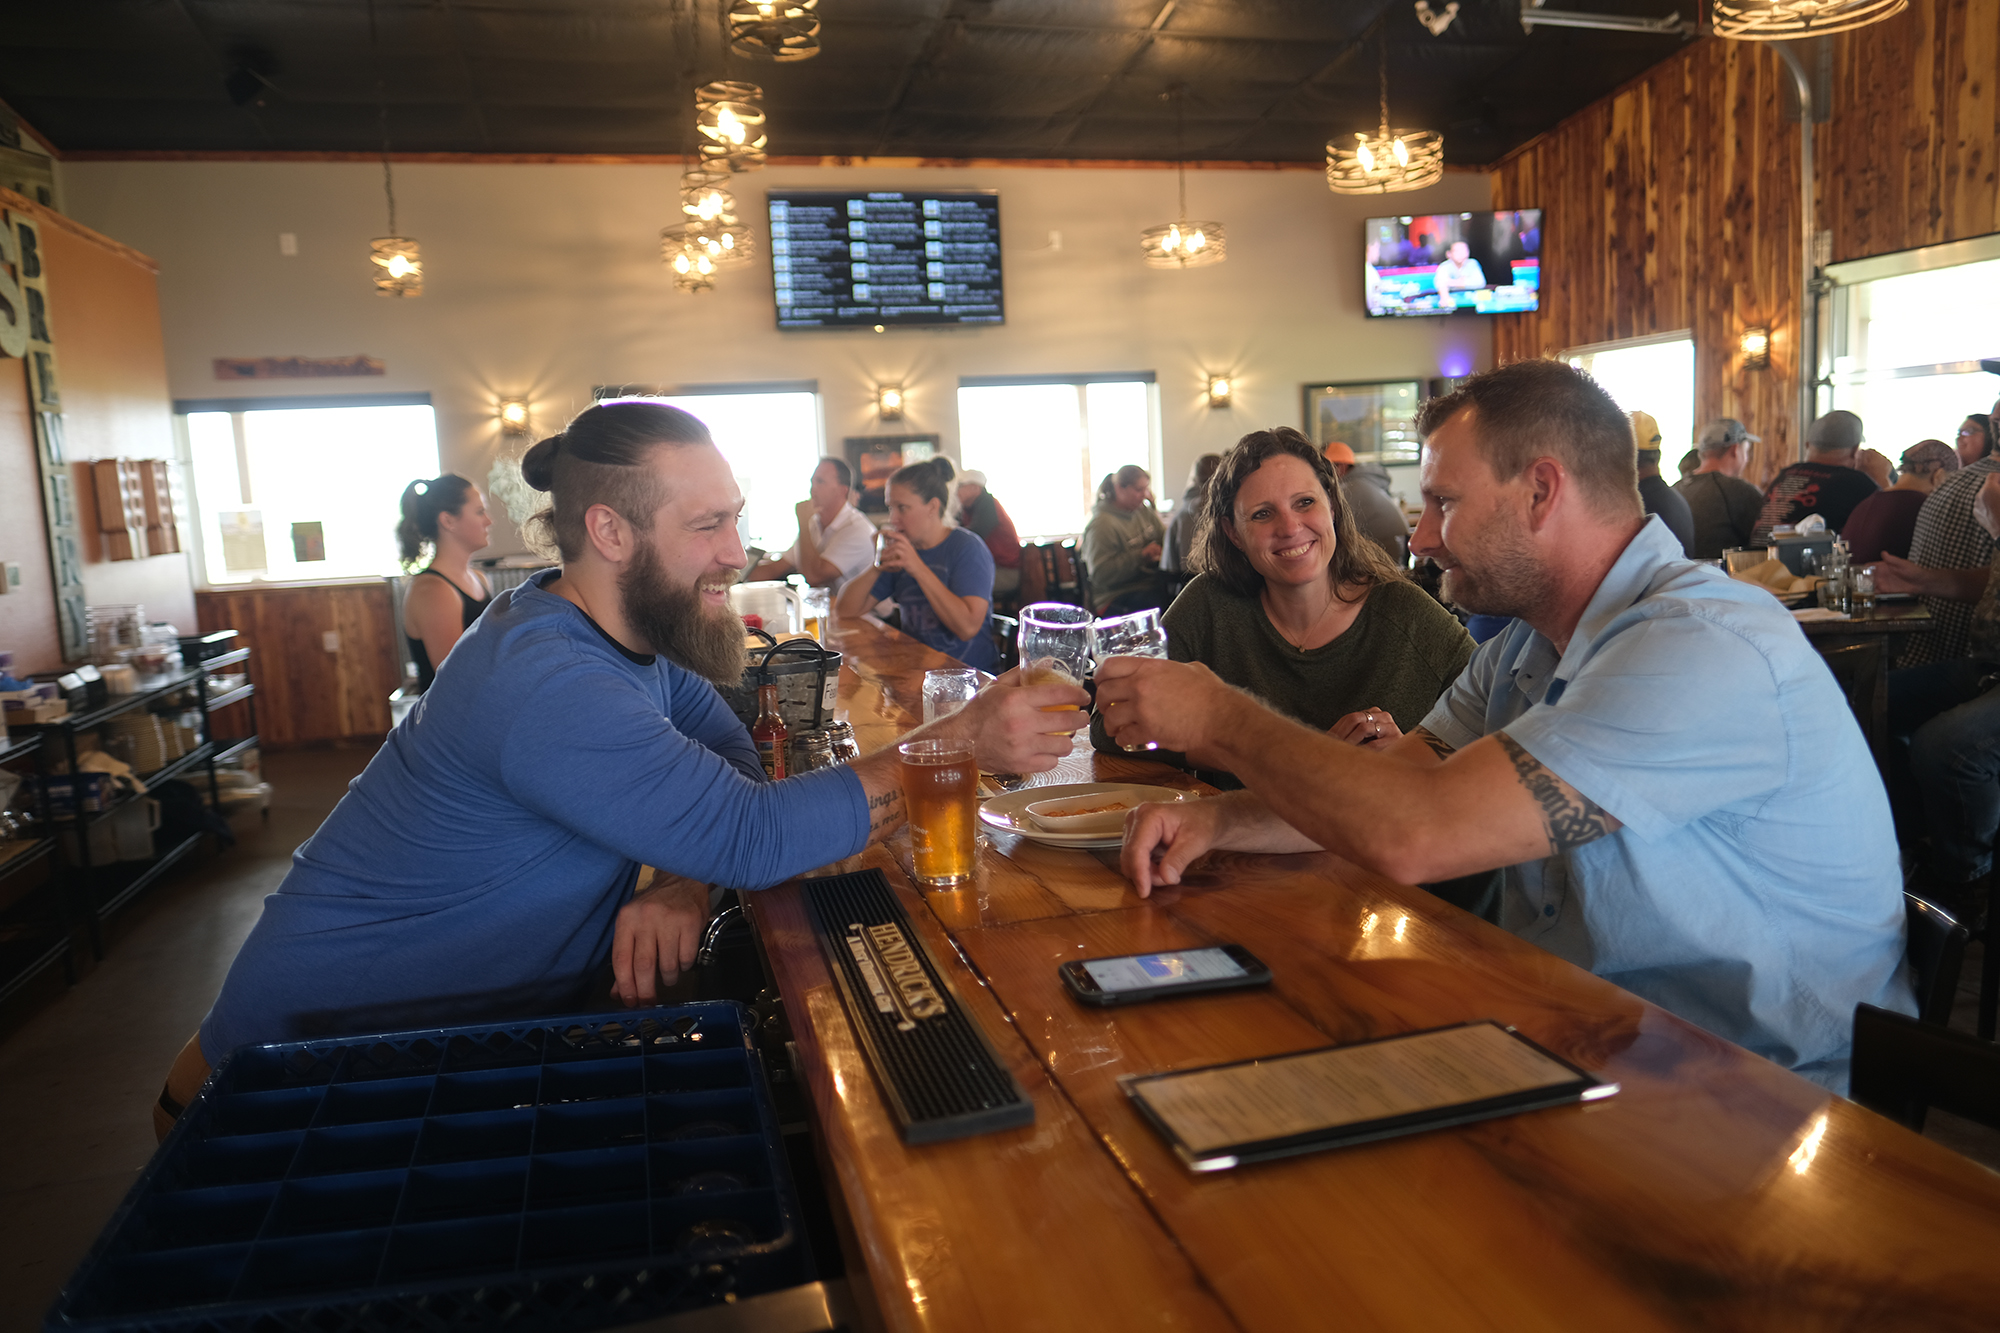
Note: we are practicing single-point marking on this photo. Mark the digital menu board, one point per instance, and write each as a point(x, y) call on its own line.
point(858, 259)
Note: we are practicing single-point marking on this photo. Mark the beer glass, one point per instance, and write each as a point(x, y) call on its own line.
point(1138, 635)
point(1055, 645)
point(948, 689)
point(940, 790)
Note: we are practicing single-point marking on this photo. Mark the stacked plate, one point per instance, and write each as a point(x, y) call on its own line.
point(1085, 816)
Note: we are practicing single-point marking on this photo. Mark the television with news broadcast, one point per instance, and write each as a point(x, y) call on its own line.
point(1454, 263)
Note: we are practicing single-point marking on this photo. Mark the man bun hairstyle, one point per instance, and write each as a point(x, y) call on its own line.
point(1357, 561)
point(423, 501)
point(928, 480)
point(1548, 409)
point(598, 459)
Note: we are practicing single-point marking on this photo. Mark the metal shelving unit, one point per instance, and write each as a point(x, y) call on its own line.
point(36, 930)
point(99, 891)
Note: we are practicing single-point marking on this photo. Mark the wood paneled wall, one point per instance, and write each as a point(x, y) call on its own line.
point(1673, 203)
point(305, 694)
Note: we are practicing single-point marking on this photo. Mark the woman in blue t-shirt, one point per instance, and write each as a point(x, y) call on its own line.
point(940, 575)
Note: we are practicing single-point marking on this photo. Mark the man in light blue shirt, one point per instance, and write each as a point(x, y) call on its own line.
point(1668, 774)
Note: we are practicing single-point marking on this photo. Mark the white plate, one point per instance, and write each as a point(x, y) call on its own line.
point(1008, 811)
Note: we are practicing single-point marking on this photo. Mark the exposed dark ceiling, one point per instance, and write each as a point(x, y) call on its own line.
point(1264, 80)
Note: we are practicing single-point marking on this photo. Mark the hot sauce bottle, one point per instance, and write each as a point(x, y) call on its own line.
point(769, 732)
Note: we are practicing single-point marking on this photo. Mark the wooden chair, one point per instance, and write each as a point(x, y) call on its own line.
point(1062, 574)
point(1084, 598)
point(1935, 946)
point(1006, 631)
point(1903, 1067)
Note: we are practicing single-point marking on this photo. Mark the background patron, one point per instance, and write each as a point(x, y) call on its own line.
point(1884, 523)
point(835, 542)
point(985, 518)
point(1121, 547)
point(1723, 505)
point(1828, 483)
point(1377, 516)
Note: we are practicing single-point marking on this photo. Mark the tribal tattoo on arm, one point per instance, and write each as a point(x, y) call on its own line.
point(1440, 747)
point(1570, 818)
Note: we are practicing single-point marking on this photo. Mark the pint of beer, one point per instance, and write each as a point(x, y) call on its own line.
point(940, 788)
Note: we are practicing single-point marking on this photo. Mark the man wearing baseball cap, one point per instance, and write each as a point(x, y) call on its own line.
point(1884, 523)
point(982, 514)
point(1367, 494)
point(1658, 497)
point(1828, 483)
point(1724, 506)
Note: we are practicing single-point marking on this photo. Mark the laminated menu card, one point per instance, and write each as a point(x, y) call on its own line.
point(1252, 1110)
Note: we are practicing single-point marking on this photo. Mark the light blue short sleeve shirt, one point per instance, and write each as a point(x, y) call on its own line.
point(1754, 888)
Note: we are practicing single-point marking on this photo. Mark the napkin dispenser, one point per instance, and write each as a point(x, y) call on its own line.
point(1805, 555)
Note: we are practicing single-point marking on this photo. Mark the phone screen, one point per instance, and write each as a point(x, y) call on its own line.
point(1147, 971)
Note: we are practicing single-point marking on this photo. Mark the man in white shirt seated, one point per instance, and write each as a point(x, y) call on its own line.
point(836, 540)
point(1459, 272)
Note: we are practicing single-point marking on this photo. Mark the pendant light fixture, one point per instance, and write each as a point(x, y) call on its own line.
point(1784, 20)
point(398, 259)
point(731, 125)
point(1181, 243)
point(780, 30)
point(1390, 160)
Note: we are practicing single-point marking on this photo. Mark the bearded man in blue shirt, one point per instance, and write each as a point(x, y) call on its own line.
point(1665, 771)
point(482, 866)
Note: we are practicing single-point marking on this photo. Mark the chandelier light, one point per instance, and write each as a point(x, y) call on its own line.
point(692, 266)
point(398, 260)
point(731, 125)
point(1182, 243)
point(1785, 20)
point(1388, 161)
point(705, 196)
point(780, 30)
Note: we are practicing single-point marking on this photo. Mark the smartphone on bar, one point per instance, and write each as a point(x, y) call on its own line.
point(1149, 976)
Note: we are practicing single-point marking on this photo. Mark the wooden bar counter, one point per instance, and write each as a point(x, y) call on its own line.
point(1716, 1191)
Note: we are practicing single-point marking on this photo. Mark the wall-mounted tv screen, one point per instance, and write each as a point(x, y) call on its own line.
point(856, 259)
point(1438, 263)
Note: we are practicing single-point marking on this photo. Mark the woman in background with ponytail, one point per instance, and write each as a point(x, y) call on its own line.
point(940, 574)
point(448, 515)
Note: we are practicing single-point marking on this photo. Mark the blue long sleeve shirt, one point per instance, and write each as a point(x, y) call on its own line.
point(475, 869)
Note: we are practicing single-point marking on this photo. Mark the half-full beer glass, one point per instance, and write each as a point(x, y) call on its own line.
point(1138, 635)
point(940, 789)
point(1055, 645)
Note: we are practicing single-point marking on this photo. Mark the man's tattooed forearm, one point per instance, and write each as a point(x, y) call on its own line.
point(1439, 746)
point(885, 812)
point(1570, 818)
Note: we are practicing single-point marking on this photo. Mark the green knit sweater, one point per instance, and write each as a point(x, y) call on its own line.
point(1401, 653)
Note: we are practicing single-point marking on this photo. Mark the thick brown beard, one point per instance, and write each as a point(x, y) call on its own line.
point(671, 617)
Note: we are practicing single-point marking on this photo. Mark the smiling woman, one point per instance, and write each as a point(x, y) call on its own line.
point(1295, 606)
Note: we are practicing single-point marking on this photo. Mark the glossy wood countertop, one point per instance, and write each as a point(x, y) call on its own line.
point(1716, 1191)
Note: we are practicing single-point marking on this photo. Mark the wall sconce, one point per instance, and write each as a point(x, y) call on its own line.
point(1755, 345)
point(513, 414)
point(1220, 387)
point(889, 402)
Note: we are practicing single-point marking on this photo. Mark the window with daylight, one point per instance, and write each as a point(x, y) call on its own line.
point(1044, 443)
point(298, 491)
point(1906, 332)
point(1654, 375)
point(772, 439)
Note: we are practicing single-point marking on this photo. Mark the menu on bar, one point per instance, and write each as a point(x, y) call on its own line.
point(855, 260)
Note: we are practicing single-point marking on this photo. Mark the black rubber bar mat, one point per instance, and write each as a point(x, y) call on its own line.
point(938, 1075)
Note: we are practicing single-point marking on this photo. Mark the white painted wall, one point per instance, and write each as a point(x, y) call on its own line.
point(545, 280)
